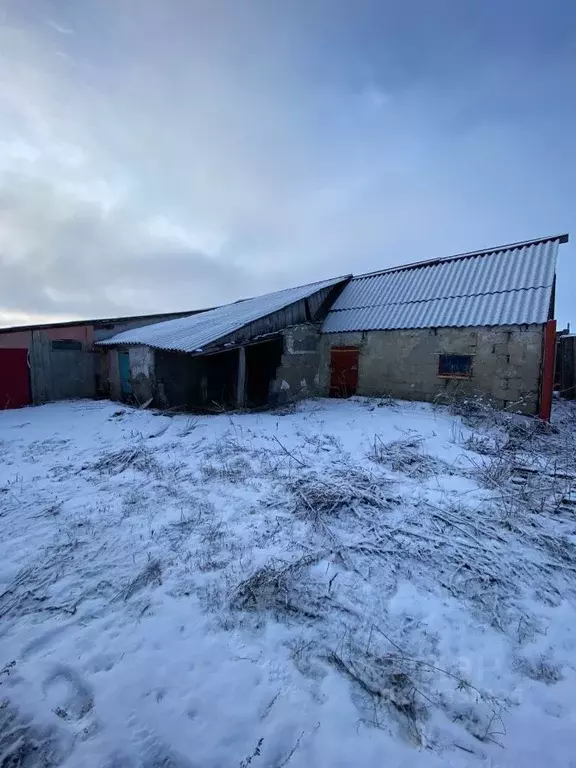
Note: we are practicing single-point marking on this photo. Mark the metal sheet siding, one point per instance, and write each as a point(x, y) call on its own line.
point(506, 287)
point(316, 300)
point(193, 334)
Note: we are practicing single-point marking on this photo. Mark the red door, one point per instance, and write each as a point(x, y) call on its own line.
point(343, 371)
point(14, 378)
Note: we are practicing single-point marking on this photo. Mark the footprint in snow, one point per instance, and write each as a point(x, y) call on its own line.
point(69, 696)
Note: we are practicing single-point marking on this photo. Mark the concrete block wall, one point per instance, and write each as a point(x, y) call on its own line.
point(142, 372)
point(404, 363)
point(298, 372)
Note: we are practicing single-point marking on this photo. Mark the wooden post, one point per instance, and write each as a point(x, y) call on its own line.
point(241, 379)
point(547, 383)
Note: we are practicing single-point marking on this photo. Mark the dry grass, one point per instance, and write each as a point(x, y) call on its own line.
point(137, 457)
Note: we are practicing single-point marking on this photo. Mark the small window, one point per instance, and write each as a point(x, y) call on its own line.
point(455, 366)
point(66, 344)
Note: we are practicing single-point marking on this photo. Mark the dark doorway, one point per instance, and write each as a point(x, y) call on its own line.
point(14, 378)
point(343, 371)
point(262, 360)
point(220, 375)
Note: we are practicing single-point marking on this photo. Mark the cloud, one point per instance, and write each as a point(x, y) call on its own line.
point(92, 261)
point(200, 155)
point(59, 28)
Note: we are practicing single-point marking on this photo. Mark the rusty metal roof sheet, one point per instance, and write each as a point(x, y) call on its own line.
point(192, 334)
point(508, 285)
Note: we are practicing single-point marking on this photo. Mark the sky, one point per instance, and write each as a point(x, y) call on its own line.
point(164, 155)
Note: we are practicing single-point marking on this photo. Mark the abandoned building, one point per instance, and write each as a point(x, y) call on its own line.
point(244, 354)
point(480, 323)
point(57, 361)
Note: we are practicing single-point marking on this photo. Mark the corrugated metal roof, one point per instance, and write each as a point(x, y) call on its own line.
point(192, 334)
point(510, 285)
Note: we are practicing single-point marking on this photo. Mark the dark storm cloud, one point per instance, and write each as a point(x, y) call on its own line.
point(160, 155)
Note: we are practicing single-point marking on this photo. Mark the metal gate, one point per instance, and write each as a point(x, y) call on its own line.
point(58, 372)
point(14, 378)
point(343, 371)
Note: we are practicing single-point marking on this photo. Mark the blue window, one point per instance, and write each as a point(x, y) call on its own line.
point(455, 366)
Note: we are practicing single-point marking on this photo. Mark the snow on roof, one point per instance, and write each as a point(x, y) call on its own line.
point(191, 334)
point(507, 285)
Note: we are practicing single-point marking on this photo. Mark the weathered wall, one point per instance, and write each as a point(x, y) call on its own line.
point(23, 339)
point(15, 339)
point(404, 363)
point(113, 368)
point(82, 333)
point(59, 374)
point(298, 372)
point(142, 372)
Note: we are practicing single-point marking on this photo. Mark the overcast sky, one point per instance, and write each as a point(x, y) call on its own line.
point(161, 155)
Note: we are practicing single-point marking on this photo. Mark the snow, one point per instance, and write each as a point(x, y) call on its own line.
point(339, 583)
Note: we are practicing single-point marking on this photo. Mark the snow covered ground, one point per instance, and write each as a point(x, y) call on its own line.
point(352, 583)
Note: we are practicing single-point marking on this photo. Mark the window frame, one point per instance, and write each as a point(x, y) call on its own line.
point(66, 345)
point(460, 376)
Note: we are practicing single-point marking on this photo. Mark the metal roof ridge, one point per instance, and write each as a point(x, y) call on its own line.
point(467, 255)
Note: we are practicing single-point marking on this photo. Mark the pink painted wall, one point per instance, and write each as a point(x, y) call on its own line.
point(15, 339)
point(23, 339)
point(82, 333)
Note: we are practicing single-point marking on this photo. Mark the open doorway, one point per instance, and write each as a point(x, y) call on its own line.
point(262, 361)
point(220, 375)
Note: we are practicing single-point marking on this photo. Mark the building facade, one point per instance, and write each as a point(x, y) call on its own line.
point(247, 354)
point(474, 324)
point(58, 361)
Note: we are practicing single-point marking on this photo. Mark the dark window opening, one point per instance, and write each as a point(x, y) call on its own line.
point(455, 366)
point(66, 344)
point(262, 361)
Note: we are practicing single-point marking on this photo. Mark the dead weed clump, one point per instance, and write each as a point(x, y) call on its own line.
point(279, 587)
point(540, 669)
point(150, 574)
point(407, 456)
point(349, 489)
point(494, 471)
point(474, 410)
point(231, 470)
point(409, 688)
point(137, 457)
